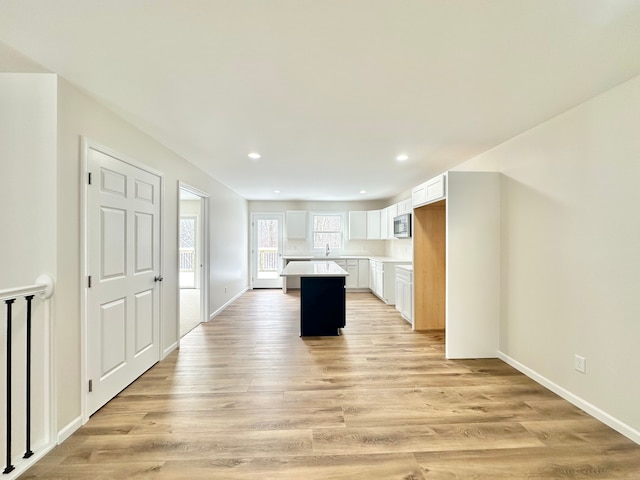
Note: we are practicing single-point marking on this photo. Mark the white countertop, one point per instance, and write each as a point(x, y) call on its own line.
point(324, 268)
point(322, 257)
point(345, 257)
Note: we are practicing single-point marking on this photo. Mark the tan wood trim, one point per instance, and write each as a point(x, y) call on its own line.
point(429, 262)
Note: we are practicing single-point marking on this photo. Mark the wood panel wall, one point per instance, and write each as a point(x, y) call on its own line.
point(429, 262)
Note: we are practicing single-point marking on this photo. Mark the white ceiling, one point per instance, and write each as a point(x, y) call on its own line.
point(330, 91)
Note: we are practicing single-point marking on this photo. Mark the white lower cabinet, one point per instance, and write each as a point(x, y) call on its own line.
point(363, 273)
point(382, 279)
point(358, 272)
point(376, 278)
point(404, 293)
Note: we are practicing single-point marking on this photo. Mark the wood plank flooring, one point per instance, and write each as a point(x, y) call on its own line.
point(246, 398)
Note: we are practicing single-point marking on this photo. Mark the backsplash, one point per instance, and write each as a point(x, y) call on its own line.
point(400, 248)
point(351, 247)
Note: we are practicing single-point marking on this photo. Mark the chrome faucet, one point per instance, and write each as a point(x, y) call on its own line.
point(326, 251)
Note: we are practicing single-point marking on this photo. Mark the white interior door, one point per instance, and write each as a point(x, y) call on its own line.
point(266, 250)
point(123, 261)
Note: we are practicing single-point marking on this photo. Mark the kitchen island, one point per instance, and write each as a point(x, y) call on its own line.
point(322, 296)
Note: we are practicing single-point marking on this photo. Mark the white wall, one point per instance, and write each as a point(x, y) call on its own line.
point(27, 241)
point(27, 177)
point(571, 250)
point(80, 115)
point(41, 181)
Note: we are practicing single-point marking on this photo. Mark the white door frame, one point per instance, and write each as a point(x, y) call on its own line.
point(87, 144)
point(204, 252)
point(252, 246)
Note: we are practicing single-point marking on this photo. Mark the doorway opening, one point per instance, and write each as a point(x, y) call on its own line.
point(192, 236)
point(266, 248)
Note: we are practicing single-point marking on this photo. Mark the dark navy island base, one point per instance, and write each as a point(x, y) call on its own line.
point(322, 306)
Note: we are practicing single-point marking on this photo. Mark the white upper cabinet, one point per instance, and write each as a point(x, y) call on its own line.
point(357, 225)
point(429, 191)
point(404, 207)
point(419, 195)
point(296, 224)
point(392, 212)
point(373, 225)
point(384, 223)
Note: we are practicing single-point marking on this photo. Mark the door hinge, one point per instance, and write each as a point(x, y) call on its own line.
point(90, 386)
point(89, 179)
point(89, 282)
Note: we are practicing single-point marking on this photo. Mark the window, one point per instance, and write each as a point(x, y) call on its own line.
point(327, 230)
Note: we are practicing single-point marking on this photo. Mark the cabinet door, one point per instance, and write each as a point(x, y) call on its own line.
point(375, 268)
point(363, 274)
point(399, 290)
point(406, 300)
point(404, 207)
point(296, 224)
point(384, 223)
point(419, 195)
point(391, 214)
point(379, 280)
point(352, 279)
point(357, 225)
point(435, 188)
point(373, 225)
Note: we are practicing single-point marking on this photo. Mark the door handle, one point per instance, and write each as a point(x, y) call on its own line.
point(158, 278)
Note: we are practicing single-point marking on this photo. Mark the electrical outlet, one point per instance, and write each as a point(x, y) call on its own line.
point(225, 289)
point(580, 363)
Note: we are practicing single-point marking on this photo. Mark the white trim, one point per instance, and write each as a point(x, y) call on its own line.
point(345, 232)
point(84, 200)
point(220, 310)
point(85, 145)
point(204, 252)
point(253, 245)
point(619, 426)
point(69, 429)
point(169, 349)
point(21, 465)
point(38, 288)
point(44, 289)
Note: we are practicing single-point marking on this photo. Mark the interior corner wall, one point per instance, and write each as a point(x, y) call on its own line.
point(79, 115)
point(27, 167)
point(570, 250)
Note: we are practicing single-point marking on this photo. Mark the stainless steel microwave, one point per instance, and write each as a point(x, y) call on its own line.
point(402, 226)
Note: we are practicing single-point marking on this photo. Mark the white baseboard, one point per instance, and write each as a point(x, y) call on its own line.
point(169, 349)
point(219, 310)
point(68, 429)
point(591, 409)
point(23, 464)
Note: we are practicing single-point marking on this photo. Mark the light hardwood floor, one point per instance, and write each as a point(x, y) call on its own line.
point(247, 398)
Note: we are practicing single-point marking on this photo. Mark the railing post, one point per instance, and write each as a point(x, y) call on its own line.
point(9, 467)
point(28, 451)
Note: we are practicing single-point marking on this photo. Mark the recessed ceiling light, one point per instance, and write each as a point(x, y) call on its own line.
point(363, 191)
point(276, 191)
point(402, 157)
point(254, 155)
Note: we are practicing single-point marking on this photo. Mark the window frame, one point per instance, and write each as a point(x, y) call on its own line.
point(312, 231)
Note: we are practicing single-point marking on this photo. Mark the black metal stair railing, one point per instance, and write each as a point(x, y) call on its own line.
point(9, 303)
point(27, 294)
